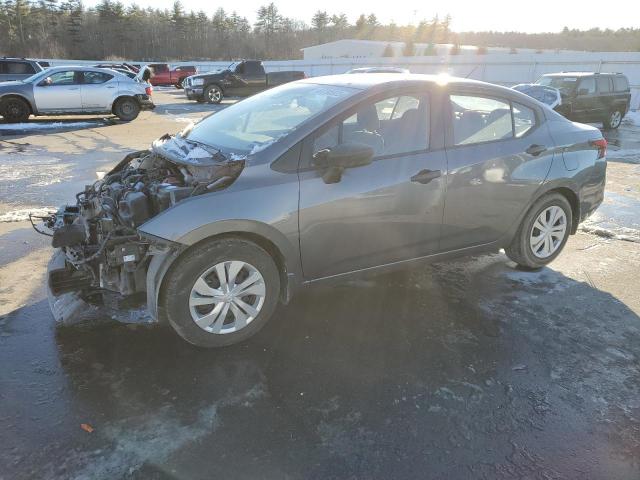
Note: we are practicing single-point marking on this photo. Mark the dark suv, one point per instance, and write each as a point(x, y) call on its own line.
point(591, 97)
point(17, 68)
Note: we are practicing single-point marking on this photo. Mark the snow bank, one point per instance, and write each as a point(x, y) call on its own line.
point(23, 214)
point(45, 125)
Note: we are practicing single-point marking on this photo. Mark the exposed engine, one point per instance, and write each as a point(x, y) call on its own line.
point(104, 253)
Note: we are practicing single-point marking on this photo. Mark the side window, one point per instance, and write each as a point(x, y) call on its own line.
point(159, 68)
point(620, 83)
point(62, 78)
point(240, 69)
point(588, 84)
point(480, 119)
point(19, 68)
point(524, 119)
point(391, 126)
point(94, 78)
point(604, 84)
point(252, 68)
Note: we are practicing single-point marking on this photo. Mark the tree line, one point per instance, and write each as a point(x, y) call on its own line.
point(111, 30)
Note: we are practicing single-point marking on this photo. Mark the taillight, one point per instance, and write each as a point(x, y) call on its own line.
point(148, 90)
point(601, 145)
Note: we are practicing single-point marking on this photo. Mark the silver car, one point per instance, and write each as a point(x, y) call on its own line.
point(74, 90)
point(321, 180)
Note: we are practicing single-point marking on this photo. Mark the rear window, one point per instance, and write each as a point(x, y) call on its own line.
point(620, 83)
point(18, 68)
point(604, 84)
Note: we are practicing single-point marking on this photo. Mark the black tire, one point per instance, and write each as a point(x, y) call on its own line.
point(200, 99)
point(213, 94)
point(15, 110)
point(520, 250)
point(614, 119)
point(126, 109)
point(178, 284)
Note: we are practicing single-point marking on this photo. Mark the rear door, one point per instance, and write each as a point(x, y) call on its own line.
point(586, 106)
point(255, 77)
point(384, 212)
point(498, 155)
point(606, 97)
point(97, 90)
point(59, 92)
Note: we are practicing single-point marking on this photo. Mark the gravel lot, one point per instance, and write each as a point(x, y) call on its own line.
point(469, 369)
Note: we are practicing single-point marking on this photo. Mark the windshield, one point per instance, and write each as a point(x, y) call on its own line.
point(253, 124)
point(36, 76)
point(564, 84)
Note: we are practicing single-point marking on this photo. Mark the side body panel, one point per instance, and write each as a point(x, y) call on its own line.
point(490, 185)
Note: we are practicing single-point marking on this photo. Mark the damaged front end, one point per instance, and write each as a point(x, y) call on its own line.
point(102, 260)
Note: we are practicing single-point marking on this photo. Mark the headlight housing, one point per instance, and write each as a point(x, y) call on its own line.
point(197, 81)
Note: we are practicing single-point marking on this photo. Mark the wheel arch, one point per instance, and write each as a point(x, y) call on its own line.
point(122, 96)
point(162, 264)
point(21, 97)
point(572, 198)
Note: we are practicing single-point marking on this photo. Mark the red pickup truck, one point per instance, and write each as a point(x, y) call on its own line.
point(163, 75)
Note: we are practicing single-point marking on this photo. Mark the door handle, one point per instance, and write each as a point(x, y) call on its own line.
point(425, 176)
point(111, 87)
point(73, 88)
point(535, 150)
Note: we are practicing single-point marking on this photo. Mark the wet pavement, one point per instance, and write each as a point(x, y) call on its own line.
point(469, 369)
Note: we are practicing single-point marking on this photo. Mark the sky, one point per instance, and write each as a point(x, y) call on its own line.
point(468, 15)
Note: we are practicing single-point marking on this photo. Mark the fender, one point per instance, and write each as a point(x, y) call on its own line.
point(27, 98)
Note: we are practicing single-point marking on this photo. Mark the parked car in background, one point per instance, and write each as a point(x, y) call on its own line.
point(17, 68)
point(164, 75)
point(322, 180)
point(240, 79)
point(548, 95)
point(379, 70)
point(591, 97)
point(74, 90)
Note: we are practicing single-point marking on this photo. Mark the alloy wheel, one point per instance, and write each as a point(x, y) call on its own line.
point(615, 119)
point(214, 95)
point(227, 297)
point(548, 232)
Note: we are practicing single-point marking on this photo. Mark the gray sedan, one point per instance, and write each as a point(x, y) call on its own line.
point(74, 90)
point(322, 180)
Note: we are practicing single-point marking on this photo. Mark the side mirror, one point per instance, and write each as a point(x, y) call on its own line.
point(335, 160)
point(46, 82)
point(583, 91)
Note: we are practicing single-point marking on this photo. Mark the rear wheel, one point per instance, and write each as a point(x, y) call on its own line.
point(126, 109)
point(614, 120)
point(180, 84)
point(15, 110)
point(213, 94)
point(543, 233)
point(220, 293)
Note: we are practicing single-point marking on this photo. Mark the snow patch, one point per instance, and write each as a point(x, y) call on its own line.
point(632, 118)
point(22, 215)
point(45, 126)
point(631, 155)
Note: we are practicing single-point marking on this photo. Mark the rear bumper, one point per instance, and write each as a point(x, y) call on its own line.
point(145, 102)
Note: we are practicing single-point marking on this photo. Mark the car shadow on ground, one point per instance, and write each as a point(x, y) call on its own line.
point(470, 366)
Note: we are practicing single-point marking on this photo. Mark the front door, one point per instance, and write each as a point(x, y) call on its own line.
point(381, 213)
point(585, 105)
point(59, 92)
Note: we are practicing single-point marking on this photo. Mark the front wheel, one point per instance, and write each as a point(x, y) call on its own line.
point(543, 232)
point(126, 109)
point(15, 110)
point(613, 121)
point(221, 292)
point(213, 94)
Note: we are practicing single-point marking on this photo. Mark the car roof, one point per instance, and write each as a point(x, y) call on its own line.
point(366, 81)
point(578, 74)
